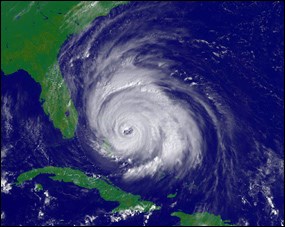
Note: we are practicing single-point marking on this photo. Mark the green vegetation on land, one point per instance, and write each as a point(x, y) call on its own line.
point(200, 219)
point(170, 196)
point(31, 36)
point(38, 187)
point(107, 190)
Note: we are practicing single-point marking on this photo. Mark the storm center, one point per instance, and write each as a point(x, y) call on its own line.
point(128, 131)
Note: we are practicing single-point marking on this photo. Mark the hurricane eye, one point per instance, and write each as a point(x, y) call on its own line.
point(128, 131)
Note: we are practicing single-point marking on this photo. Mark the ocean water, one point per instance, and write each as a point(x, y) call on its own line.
point(175, 97)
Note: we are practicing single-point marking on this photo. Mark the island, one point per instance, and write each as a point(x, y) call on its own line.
point(106, 189)
point(200, 219)
point(109, 192)
point(38, 187)
point(171, 196)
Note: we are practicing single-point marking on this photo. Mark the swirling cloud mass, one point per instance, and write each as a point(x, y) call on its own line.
point(136, 111)
point(141, 123)
point(161, 94)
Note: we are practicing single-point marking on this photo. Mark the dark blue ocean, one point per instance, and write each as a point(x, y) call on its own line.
point(231, 52)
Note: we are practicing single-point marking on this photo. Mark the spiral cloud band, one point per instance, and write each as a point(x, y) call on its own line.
point(133, 109)
point(141, 123)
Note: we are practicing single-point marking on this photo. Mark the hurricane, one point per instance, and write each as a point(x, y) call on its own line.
point(143, 113)
point(138, 111)
point(165, 96)
point(142, 124)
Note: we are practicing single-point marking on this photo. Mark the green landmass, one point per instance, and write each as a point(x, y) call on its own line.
point(32, 33)
point(106, 146)
point(200, 219)
point(106, 189)
point(38, 187)
point(170, 196)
